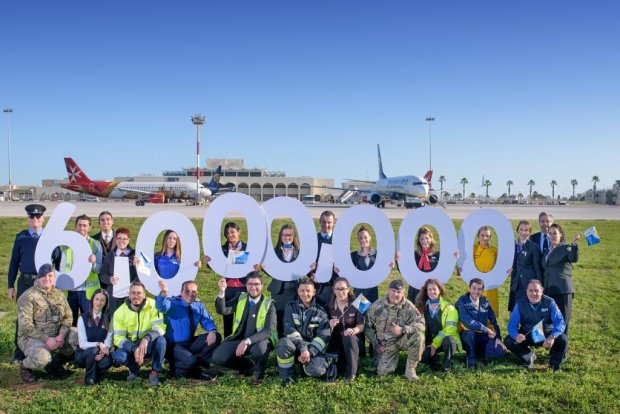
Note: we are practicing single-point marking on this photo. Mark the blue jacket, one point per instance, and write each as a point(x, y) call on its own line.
point(176, 318)
point(526, 315)
point(476, 319)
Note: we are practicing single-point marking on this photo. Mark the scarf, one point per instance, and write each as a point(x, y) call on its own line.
point(424, 263)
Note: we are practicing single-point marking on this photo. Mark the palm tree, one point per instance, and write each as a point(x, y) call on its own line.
point(553, 184)
point(487, 183)
point(509, 183)
point(595, 180)
point(531, 183)
point(464, 181)
point(442, 179)
point(574, 183)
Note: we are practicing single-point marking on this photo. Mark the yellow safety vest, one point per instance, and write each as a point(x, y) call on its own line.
point(260, 318)
point(92, 281)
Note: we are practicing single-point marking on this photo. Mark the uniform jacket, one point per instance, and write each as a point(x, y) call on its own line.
point(22, 256)
point(449, 323)
point(526, 265)
point(559, 269)
point(41, 314)
point(131, 326)
point(230, 308)
point(107, 269)
point(277, 287)
point(307, 328)
point(176, 317)
point(382, 314)
point(474, 318)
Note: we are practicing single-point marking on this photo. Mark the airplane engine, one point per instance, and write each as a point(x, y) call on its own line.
point(375, 198)
point(433, 198)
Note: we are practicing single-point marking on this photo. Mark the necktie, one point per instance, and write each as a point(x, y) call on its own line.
point(192, 324)
point(106, 239)
point(35, 235)
point(545, 244)
point(123, 254)
point(97, 320)
point(252, 306)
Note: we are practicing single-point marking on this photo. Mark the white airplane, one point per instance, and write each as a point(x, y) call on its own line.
point(154, 192)
point(402, 188)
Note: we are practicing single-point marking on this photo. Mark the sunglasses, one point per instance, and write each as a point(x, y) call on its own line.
point(33, 216)
point(341, 289)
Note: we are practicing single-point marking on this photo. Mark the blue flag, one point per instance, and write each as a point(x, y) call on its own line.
point(361, 303)
point(592, 236)
point(538, 335)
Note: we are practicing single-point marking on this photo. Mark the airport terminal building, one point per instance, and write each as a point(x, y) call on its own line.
point(258, 183)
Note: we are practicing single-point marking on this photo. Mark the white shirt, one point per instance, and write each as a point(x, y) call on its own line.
point(83, 339)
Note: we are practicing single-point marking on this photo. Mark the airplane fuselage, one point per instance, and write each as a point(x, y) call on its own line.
point(404, 186)
point(136, 189)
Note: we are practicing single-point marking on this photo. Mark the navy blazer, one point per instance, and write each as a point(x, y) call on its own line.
point(276, 287)
point(559, 269)
point(526, 266)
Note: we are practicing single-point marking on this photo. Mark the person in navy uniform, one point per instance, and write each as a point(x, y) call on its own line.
point(22, 261)
point(324, 289)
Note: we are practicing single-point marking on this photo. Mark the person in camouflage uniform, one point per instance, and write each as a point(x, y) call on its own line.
point(394, 324)
point(44, 324)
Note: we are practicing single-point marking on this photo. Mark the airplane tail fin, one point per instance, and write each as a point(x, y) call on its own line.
point(381, 173)
point(76, 175)
point(214, 184)
point(428, 176)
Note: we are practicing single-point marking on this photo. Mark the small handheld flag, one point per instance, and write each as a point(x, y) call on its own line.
point(592, 236)
point(538, 335)
point(361, 303)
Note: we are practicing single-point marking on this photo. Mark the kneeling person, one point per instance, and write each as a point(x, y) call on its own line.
point(476, 314)
point(393, 324)
point(44, 324)
point(254, 328)
point(182, 314)
point(138, 333)
point(522, 333)
point(306, 335)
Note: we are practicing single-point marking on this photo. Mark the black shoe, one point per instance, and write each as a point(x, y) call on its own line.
point(89, 381)
point(27, 375)
point(349, 378)
point(556, 368)
point(332, 372)
point(256, 381)
point(287, 382)
point(202, 376)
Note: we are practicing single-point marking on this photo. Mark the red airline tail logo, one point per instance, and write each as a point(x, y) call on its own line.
point(76, 175)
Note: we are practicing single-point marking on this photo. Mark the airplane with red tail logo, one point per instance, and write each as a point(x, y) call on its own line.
point(155, 192)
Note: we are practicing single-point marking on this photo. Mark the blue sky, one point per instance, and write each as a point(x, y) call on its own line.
point(519, 90)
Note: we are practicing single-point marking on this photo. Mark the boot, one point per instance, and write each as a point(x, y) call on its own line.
point(410, 373)
point(27, 375)
point(56, 366)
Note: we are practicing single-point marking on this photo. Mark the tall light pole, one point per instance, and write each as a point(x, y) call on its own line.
point(8, 112)
point(430, 146)
point(198, 120)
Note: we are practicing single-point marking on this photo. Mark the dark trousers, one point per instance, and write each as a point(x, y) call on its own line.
point(524, 352)
point(25, 282)
point(448, 347)
point(85, 358)
point(348, 350)
point(281, 300)
point(565, 304)
point(230, 293)
point(156, 350)
point(78, 304)
point(225, 356)
point(114, 304)
point(476, 344)
point(185, 357)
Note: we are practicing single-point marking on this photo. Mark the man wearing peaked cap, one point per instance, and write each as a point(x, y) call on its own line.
point(22, 261)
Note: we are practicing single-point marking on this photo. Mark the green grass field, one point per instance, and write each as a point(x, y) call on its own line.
point(589, 381)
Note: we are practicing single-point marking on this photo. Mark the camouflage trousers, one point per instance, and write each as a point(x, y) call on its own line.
point(412, 344)
point(38, 355)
